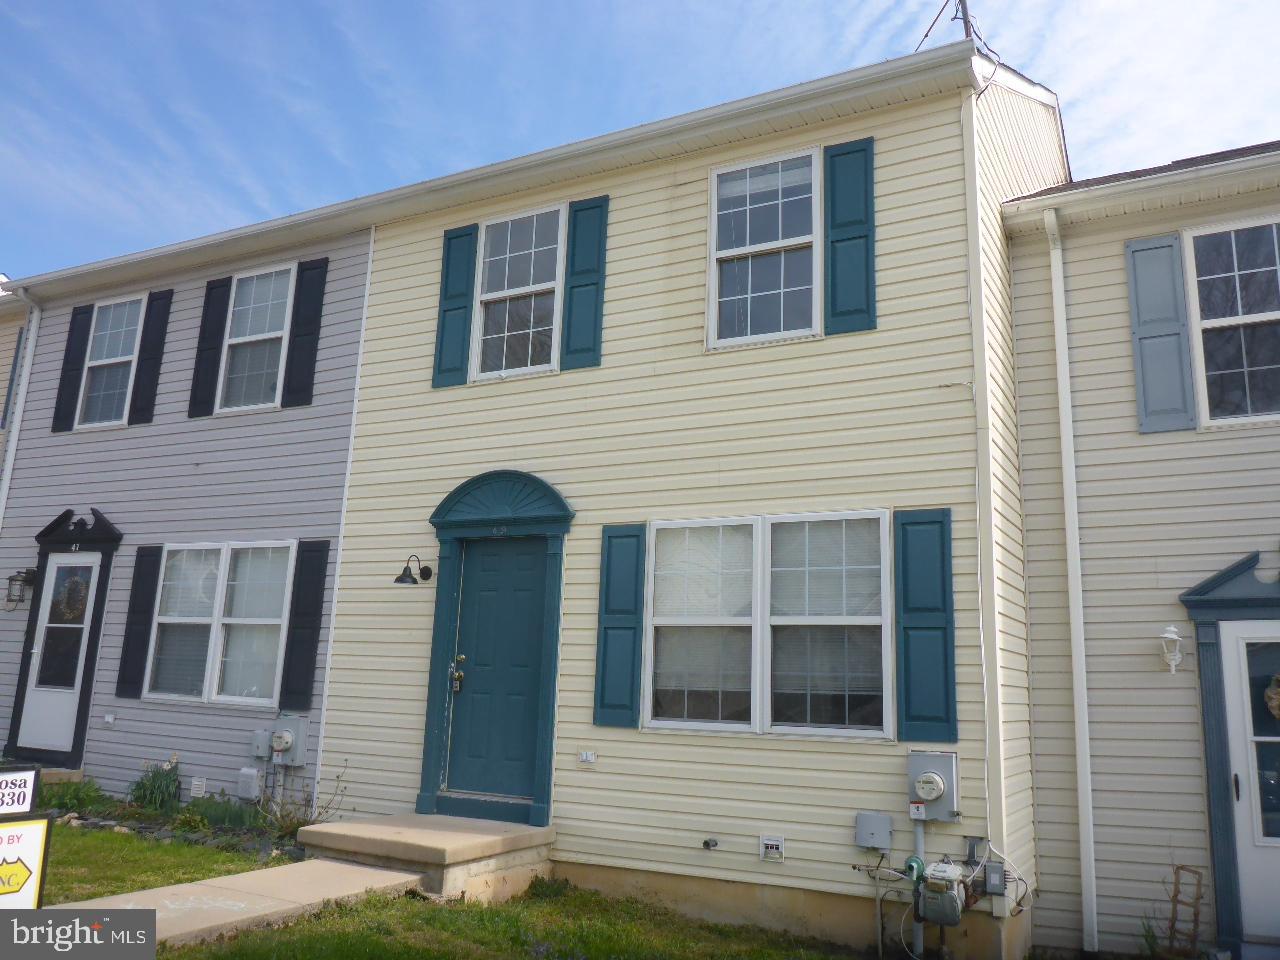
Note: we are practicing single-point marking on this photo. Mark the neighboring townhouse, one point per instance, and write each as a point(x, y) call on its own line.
point(174, 490)
point(707, 432)
point(1147, 314)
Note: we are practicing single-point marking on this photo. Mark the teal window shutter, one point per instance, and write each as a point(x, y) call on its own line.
point(621, 632)
point(850, 262)
point(1161, 340)
point(457, 292)
point(583, 314)
point(926, 632)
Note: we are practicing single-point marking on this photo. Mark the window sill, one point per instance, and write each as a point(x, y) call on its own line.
point(769, 339)
point(770, 733)
point(512, 375)
point(99, 427)
point(174, 700)
point(1240, 423)
point(254, 408)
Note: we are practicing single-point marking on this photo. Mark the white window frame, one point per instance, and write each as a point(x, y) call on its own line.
point(761, 622)
point(1198, 326)
point(715, 255)
point(479, 298)
point(227, 341)
point(216, 621)
point(133, 362)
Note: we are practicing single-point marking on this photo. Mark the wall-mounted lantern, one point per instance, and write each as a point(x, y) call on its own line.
point(406, 575)
point(1171, 647)
point(18, 584)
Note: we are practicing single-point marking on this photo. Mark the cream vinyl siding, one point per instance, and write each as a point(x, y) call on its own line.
point(665, 430)
point(1158, 513)
point(1019, 150)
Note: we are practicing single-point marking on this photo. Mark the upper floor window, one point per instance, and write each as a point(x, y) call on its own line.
point(220, 620)
point(1237, 300)
point(110, 362)
point(771, 623)
point(520, 280)
point(253, 352)
point(763, 265)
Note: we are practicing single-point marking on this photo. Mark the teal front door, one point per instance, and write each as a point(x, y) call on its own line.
point(496, 676)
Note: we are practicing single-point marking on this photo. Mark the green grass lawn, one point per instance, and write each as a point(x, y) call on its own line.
point(84, 864)
point(551, 922)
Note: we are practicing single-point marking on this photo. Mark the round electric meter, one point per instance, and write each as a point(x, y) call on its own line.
point(930, 786)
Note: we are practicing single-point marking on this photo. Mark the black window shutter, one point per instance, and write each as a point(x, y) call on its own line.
point(306, 610)
point(621, 626)
point(15, 371)
point(457, 292)
point(155, 327)
point(137, 622)
point(926, 625)
point(850, 237)
point(73, 357)
point(583, 311)
point(213, 324)
point(304, 333)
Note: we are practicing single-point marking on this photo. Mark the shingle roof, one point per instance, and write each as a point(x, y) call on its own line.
point(1188, 163)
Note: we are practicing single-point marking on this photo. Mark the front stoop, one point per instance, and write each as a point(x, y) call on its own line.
point(458, 857)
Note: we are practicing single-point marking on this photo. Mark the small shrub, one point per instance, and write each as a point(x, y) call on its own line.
point(159, 787)
point(189, 821)
point(223, 811)
point(82, 797)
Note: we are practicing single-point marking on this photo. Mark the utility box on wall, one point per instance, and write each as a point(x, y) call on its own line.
point(933, 785)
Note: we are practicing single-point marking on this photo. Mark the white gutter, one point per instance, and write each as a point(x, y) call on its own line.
point(342, 529)
point(19, 396)
point(1095, 199)
point(1075, 592)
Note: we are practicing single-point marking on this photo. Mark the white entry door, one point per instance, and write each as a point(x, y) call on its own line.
point(1251, 671)
point(57, 655)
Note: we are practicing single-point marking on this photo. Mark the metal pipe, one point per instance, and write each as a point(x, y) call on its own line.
point(1075, 590)
point(35, 312)
point(917, 927)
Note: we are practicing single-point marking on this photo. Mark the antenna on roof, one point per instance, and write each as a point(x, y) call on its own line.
point(964, 18)
point(960, 12)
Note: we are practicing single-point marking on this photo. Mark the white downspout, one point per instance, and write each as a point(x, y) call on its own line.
point(19, 395)
point(1075, 592)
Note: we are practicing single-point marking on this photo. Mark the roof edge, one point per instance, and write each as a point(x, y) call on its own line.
point(397, 203)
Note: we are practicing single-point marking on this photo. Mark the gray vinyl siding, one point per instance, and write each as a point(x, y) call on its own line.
point(1158, 513)
point(272, 474)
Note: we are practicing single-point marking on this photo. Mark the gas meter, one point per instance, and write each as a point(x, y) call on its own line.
point(939, 898)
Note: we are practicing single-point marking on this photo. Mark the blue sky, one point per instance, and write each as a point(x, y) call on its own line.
point(129, 125)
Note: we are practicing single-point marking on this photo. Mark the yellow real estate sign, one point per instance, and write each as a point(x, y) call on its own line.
point(23, 844)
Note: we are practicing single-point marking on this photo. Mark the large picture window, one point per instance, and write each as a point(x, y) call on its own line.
point(519, 299)
point(771, 624)
point(220, 621)
point(1235, 303)
point(253, 352)
point(110, 363)
point(764, 220)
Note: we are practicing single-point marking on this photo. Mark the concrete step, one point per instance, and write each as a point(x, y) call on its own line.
point(482, 860)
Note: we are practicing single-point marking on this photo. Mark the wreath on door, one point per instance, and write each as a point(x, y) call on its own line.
point(1271, 696)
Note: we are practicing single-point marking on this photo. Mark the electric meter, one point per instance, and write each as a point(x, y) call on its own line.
point(930, 786)
point(282, 740)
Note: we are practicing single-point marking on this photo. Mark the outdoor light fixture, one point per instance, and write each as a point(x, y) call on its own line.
point(406, 575)
point(18, 583)
point(1170, 644)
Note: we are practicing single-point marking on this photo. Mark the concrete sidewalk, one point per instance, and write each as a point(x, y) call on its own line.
point(188, 912)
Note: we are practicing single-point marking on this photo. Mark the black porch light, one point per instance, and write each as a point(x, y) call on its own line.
point(406, 575)
point(18, 583)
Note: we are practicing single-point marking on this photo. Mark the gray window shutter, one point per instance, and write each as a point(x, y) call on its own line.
point(1161, 338)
